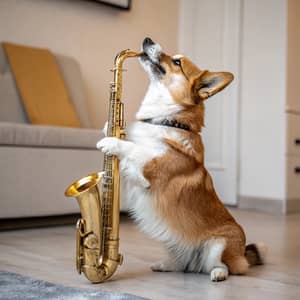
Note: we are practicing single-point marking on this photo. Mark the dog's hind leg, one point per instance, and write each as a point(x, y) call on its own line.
point(238, 265)
point(234, 257)
point(212, 259)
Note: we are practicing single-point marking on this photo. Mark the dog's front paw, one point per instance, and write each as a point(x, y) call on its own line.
point(168, 265)
point(219, 274)
point(109, 145)
point(161, 266)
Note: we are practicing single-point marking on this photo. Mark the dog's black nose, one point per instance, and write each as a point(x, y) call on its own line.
point(147, 42)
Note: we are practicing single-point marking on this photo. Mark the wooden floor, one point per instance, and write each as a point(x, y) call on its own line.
point(48, 254)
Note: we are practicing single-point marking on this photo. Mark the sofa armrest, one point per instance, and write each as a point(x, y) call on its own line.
point(48, 136)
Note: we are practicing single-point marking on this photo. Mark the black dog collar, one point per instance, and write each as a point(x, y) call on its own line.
point(169, 123)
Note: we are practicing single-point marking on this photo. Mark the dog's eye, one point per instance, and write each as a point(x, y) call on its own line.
point(177, 62)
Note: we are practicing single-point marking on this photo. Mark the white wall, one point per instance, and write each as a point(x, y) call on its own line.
point(93, 34)
point(262, 103)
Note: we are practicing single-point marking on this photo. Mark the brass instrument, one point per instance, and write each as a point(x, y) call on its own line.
point(97, 233)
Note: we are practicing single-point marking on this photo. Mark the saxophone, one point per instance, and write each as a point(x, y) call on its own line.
point(98, 196)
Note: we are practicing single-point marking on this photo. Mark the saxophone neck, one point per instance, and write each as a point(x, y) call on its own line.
point(116, 121)
point(121, 56)
point(118, 68)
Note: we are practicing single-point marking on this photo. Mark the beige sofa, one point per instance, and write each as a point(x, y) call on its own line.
point(37, 163)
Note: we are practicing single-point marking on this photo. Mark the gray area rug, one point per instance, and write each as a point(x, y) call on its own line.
point(15, 286)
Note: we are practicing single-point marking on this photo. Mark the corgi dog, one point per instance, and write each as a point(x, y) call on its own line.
point(169, 191)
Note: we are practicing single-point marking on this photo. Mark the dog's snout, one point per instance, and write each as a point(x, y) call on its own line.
point(151, 57)
point(147, 42)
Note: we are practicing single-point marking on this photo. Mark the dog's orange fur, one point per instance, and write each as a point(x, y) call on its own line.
point(184, 195)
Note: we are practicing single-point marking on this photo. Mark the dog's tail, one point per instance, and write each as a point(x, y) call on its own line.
point(256, 254)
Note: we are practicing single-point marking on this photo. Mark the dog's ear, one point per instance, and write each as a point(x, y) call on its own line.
point(210, 83)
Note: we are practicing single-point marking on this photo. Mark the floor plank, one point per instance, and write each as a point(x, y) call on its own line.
point(48, 254)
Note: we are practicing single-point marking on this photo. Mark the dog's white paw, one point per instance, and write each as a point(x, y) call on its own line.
point(219, 274)
point(168, 265)
point(161, 266)
point(109, 145)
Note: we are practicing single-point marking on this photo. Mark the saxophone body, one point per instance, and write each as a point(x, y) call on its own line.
point(98, 196)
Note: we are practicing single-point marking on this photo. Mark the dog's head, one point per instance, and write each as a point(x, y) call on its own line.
point(186, 83)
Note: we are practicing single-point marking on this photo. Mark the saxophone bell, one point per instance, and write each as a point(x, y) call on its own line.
point(88, 227)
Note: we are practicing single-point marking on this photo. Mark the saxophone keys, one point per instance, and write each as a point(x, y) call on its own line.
point(79, 245)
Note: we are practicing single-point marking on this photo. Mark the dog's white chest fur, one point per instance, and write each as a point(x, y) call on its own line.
point(140, 204)
point(139, 197)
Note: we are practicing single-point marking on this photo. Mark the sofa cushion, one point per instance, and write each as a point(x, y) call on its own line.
point(48, 136)
point(12, 108)
point(41, 86)
point(71, 73)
